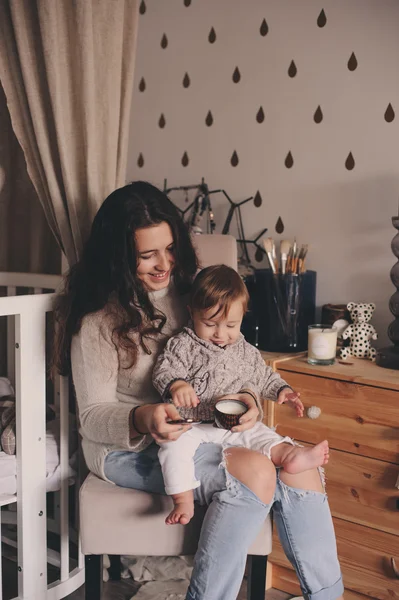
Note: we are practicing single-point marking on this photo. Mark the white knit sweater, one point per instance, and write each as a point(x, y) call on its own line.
point(105, 392)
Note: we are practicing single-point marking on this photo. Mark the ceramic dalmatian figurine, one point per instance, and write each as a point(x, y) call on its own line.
point(360, 332)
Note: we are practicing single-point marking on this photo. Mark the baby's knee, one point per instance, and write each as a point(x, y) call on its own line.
point(254, 470)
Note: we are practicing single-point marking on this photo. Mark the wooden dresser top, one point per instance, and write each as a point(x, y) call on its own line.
point(361, 371)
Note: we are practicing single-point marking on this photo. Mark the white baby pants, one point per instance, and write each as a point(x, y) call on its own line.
point(177, 458)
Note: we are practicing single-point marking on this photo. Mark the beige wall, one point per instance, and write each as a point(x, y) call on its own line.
point(345, 215)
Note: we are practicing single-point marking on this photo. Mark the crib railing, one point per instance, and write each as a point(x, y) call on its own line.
point(37, 282)
point(27, 330)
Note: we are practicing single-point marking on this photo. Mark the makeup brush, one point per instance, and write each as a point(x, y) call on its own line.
point(294, 261)
point(290, 261)
point(285, 246)
point(269, 244)
point(302, 254)
point(274, 255)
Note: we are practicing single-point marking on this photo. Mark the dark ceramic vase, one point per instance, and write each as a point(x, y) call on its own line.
point(389, 357)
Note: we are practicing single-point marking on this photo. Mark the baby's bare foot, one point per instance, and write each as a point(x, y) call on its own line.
point(302, 459)
point(181, 513)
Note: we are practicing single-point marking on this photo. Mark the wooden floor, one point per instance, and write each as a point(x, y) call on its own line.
point(113, 590)
point(124, 590)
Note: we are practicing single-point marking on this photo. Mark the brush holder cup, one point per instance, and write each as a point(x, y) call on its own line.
point(281, 309)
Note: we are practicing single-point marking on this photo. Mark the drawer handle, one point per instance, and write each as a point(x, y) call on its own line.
point(313, 412)
point(395, 568)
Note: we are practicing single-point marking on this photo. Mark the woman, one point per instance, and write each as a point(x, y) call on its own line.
point(121, 302)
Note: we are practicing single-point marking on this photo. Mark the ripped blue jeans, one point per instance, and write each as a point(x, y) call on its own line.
point(233, 519)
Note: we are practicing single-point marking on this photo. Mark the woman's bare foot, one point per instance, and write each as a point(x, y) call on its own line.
point(182, 513)
point(300, 459)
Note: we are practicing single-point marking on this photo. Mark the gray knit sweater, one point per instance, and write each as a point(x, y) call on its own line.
point(105, 392)
point(214, 371)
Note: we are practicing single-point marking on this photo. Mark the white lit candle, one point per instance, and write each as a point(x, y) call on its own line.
point(322, 344)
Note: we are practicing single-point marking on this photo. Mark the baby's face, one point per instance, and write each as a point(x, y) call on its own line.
point(219, 329)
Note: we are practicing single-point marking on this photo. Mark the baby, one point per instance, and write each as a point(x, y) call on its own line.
point(207, 361)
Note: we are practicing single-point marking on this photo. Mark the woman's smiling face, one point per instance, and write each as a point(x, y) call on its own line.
point(155, 254)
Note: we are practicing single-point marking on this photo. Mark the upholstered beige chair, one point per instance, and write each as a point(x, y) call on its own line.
point(117, 521)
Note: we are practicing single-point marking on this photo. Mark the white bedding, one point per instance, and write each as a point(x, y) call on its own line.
point(8, 464)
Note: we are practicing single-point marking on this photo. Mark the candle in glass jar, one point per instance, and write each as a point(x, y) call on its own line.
point(322, 344)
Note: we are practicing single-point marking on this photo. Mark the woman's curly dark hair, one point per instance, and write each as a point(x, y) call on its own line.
point(106, 275)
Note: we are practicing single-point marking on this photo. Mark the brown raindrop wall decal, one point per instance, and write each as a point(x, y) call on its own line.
point(236, 75)
point(350, 162)
point(259, 255)
point(187, 3)
point(389, 114)
point(264, 28)
point(143, 7)
point(279, 225)
point(260, 115)
point(164, 41)
point(289, 161)
point(253, 112)
point(292, 70)
point(322, 19)
point(352, 62)
point(212, 36)
point(209, 119)
point(258, 199)
point(234, 159)
point(318, 115)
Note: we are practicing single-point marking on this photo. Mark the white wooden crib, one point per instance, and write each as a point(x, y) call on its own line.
point(26, 369)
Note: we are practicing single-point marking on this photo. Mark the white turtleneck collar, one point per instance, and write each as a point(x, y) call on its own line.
point(158, 294)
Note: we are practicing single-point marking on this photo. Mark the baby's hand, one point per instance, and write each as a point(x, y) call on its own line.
point(183, 394)
point(287, 395)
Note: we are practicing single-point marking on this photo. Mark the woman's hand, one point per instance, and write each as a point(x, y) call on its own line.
point(248, 419)
point(152, 419)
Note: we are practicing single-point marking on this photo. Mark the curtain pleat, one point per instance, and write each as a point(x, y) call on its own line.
point(66, 67)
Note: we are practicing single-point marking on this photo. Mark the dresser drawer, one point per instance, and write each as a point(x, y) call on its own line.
point(362, 490)
point(364, 555)
point(285, 579)
point(354, 418)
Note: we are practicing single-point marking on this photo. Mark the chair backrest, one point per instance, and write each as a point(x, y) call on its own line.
point(216, 249)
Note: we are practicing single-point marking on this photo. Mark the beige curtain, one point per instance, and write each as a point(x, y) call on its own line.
point(66, 67)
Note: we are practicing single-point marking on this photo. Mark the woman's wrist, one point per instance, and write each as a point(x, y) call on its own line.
point(137, 425)
point(250, 393)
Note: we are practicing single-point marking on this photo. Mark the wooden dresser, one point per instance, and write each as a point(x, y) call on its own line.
point(360, 418)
